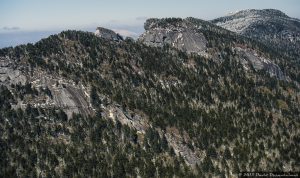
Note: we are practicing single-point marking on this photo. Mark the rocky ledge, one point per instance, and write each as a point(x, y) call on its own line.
point(176, 32)
point(108, 34)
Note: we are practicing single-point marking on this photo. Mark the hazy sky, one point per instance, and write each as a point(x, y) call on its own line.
point(53, 14)
point(127, 15)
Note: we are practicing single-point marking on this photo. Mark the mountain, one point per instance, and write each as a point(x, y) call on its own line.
point(269, 26)
point(175, 32)
point(187, 99)
point(193, 35)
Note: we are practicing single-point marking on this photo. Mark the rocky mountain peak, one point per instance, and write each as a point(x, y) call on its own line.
point(263, 12)
point(108, 34)
point(176, 32)
point(241, 20)
point(269, 26)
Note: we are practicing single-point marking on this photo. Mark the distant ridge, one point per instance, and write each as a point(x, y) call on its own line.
point(269, 26)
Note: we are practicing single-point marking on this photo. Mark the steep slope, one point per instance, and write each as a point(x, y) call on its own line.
point(269, 26)
point(197, 36)
point(56, 91)
point(147, 108)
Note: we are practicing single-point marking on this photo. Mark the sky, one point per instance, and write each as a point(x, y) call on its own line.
point(24, 21)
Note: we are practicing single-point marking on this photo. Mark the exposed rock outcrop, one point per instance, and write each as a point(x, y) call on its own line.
point(9, 72)
point(188, 35)
point(66, 94)
point(250, 58)
point(140, 122)
point(178, 33)
point(108, 34)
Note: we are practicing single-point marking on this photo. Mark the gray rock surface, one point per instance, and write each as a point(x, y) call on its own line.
point(249, 58)
point(71, 99)
point(68, 96)
point(9, 73)
point(140, 122)
point(178, 33)
point(108, 34)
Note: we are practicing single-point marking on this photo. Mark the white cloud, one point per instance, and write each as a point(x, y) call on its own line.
point(11, 28)
point(126, 33)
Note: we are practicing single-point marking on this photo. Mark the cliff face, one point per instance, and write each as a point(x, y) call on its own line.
point(250, 58)
point(177, 33)
point(108, 34)
point(61, 92)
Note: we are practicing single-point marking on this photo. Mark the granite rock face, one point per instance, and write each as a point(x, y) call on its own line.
point(9, 73)
point(178, 33)
point(249, 58)
point(108, 34)
point(66, 94)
